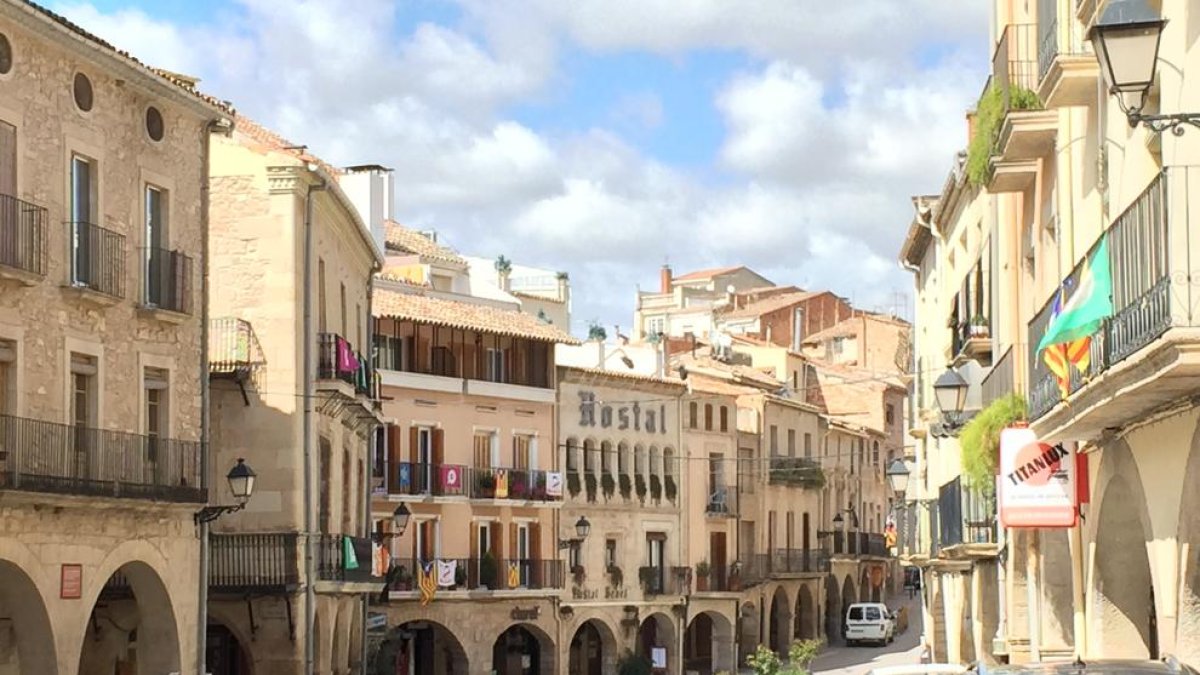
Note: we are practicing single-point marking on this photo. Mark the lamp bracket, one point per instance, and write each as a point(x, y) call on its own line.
point(211, 513)
point(564, 544)
point(1160, 123)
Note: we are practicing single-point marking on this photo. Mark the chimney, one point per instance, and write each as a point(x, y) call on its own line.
point(665, 279)
point(504, 280)
point(564, 286)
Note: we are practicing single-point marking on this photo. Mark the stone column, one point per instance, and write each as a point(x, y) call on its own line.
point(952, 602)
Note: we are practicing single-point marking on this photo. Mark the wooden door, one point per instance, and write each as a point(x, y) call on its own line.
point(717, 559)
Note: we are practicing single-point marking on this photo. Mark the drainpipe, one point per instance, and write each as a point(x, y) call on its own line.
point(310, 567)
point(371, 448)
point(225, 126)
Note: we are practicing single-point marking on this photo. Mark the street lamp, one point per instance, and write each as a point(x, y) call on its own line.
point(950, 392)
point(400, 519)
point(1126, 40)
point(582, 528)
point(897, 475)
point(241, 483)
point(838, 520)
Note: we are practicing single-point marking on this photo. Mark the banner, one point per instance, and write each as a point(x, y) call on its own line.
point(349, 559)
point(514, 575)
point(451, 477)
point(404, 475)
point(1036, 482)
point(426, 583)
point(554, 484)
point(501, 483)
point(381, 560)
point(445, 572)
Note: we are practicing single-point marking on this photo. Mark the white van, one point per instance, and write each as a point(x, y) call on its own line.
point(869, 622)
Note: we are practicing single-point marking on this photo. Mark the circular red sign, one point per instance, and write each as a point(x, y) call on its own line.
point(1027, 454)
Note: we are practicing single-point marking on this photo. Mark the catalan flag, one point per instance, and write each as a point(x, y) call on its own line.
point(514, 575)
point(426, 582)
point(1068, 338)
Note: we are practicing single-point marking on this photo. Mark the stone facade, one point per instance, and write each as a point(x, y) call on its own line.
point(101, 362)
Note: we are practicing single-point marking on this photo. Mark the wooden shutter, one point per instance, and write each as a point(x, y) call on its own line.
point(428, 531)
point(535, 555)
point(497, 541)
point(439, 446)
point(414, 442)
point(416, 553)
point(473, 560)
point(8, 159)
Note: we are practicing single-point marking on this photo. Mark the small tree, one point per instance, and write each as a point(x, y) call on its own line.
point(802, 653)
point(633, 664)
point(764, 661)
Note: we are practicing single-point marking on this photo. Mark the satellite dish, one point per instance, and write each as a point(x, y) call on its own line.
point(731, 289)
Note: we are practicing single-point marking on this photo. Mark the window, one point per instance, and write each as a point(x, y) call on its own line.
point(656, 325)
point(839, 345)
point(495, 365)
point(856, 614)
point(321, 324)
point(655, 549)
point(774, 438)
point(623, 459)
point(589, 456)
point(83, 176)
point(522, 451)
point(155, 128)
point(791, 442)
point(610, 553)
point(326, 459)
point(606, 459)
point(82, 90)
point(485, 538)
point(575, 556)
point(6, 56)
point(572, 455)
point(156, 385)
point(795, 380)
point(347, 488)
point(808, 445)
point(8, 377)
point(483, 449)
point(693, 414)
point(875, 453)
point(724, 418)
point(708, 417)
point(158, 272)
point(889, 415)
point(83, 394)
point(8, 163)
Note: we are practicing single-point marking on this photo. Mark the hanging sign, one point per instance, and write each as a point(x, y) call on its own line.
point(554, 483)
point(1037, 481)
point(451, 477)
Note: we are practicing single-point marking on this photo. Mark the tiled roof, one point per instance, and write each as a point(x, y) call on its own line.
point(274, 141)
point(536, 296)
point(711, 385)
point(636, 377)
point(708, 273)
point(465, 316)
point(771, 304)
point(400, 238)
point(186, 84)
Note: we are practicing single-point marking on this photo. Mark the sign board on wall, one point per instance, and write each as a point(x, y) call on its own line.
point(1037, 481)
point(71, 582)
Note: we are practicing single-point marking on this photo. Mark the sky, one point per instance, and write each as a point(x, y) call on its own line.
point(605, 138)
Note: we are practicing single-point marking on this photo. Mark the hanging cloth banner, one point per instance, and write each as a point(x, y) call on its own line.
point(445, 572)
point(501, 484)
point(349, 559)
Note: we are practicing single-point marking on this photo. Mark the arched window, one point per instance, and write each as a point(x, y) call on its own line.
point(606, 457)
point(708, 421)
point(589, 456)
point(639, 460)
point(669, 462)
point(655, 462)
point(572, 454)
point(724, 419)
point(693, 414)
point(623, 459)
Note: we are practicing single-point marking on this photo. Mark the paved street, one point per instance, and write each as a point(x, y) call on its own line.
point(841, 660)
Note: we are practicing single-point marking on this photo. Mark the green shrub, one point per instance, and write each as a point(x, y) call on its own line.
point(989, 115)
point(633, 664)
point(980, 439)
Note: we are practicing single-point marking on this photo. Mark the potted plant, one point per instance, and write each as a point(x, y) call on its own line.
point(487, 570)
point(702, 572)
point(640, 483)
point(485, 484)
point(579, 574)
point(403, 579)
point(626, 486)
point(589, 480)
point(519, 489)
point(979, 326)
point(615, 576)
point(655, 487)
point(573, 485)
point(607, 485)
point(460, 576)
point(671, 489)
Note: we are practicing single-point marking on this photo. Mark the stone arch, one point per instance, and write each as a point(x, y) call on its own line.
point(1187, 641)
point(833, 605)
point(22, 603)
point(708, 643)
point(658, 630)
point(1123, 621)
point(806, 614)
point(593, 649)
point(340, 655)
point(641, 486)
point(749, 630)
point(519, 641)
point(228, 645)
point(427, 646)
point(781, 620)
point(131, 612)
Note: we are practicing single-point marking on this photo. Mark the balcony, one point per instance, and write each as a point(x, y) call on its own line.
point(22, 239)
point(502, 483)
point(798, 472)
point(966, 519)
point(1000, 381)
point(1146, 350)
point(722, 502)
point(482, 574)
point(337, 361)
point(419, 479)
point(971, 341)
point(168, 281)
point(1011, 129)
point(254, 563)
point(1067, 69)
point(37, 456)
point(783, 561)
point(855, 544)
point(97, 261)
point(657, 581)
point(334, 565)
point(234, 352)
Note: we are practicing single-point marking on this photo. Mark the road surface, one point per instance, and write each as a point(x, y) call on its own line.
point(906, 649)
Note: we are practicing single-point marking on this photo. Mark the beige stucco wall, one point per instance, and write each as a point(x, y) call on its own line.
point(703, 447)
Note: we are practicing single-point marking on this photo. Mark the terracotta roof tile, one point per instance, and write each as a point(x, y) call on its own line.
point(636, 377)
point(273, 141)
point(536, 296)
point(466, 316)
point(708, 273)
point(770, 304)
point(406, 240)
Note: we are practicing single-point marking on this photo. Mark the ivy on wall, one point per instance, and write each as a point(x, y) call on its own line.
point(989, 114)
point(980, 439)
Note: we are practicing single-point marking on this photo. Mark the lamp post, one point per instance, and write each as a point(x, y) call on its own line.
point(400, 518)
point(950, 392)
point(582, 529)
point(241, 483)
point(1126, 40)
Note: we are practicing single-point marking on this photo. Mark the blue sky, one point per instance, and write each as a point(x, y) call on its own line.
point(601, 137)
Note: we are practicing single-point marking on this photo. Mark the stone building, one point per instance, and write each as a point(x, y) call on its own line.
point(293, 392)
point(470, 452)
point(102, 227)
point(686, 304)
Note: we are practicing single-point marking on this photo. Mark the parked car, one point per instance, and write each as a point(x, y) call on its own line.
point(869, 622)
point(1166, 666)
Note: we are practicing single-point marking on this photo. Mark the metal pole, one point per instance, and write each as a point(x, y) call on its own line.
point(310, 573)
point(202, 612)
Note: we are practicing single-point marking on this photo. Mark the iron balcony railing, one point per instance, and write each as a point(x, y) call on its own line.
point(337, 360)
point(966, 515)
point(664, 580)
point(168, 280)
point(458, 480)
point(22, 235)
point(97, 258)
point(1139, 260)
point(233, 347)
point(855, 543)
point(796, 472)
point(1049, 47)
point(253, 562)
point(502, 483)
point(333, 564)
point(999, 381)
point(722, 502)
point(761, 566)
point(39, 456)
point(1014, 63)
point(496, 574)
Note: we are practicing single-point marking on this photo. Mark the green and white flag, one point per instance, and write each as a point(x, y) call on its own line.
point(350, 560)
point(1088, 306)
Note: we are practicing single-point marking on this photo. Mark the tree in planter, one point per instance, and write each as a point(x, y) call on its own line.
point(634, 664)
point(640, 482)
point(626, 486)
point(655, 487)
point(671, 489)
point(573, 483)
point(487, 570)
point(702, 572)
point(607, 485)
point(589, 480)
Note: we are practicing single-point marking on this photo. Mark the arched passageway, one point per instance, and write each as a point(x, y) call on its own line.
point(833, 606)
point(781, 616)
point(225, 654)
point(849, 597)
point(806, 615)
point(708, 644)
point(593, 649)
point(656, 637)
point(1187, 640)
point(1124, 616)
point(132, 628)
point(33, 647)
point(523, 649)
point(423, 647)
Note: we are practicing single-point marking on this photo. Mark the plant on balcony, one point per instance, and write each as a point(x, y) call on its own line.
point(579, 574)
point(487, 570)
point(589, 480)
point(989, 115)
point(573, 486)
point(596, 332)
point(634, 664)
point(640, 483)
point(608, 485)
point(702, 572)
point(655, 487)
point(403, 579)
point(485, 484)
point(460, 576)
point(979, 326)
point(672, 490)
point(980, 439)
point(648, 576)
point(615, 576)
point(519, 489)
point(626, 486)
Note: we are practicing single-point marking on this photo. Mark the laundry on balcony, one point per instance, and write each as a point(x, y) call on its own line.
point(346, 362)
